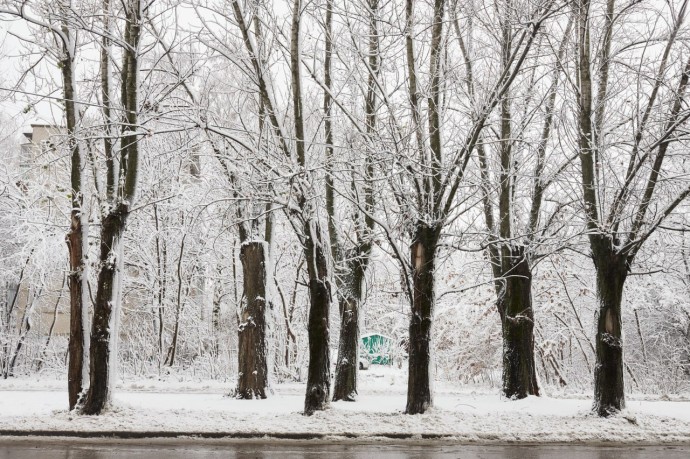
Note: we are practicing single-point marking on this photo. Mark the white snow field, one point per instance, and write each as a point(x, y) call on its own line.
point(466, 415)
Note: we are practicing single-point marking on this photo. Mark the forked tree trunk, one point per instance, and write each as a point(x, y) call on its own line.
point(609, 389)
point(319, 373)
point(253, 368)
point(423, 248)
point(517, 317)
point(104, 329)
point(345, 387)
point(106, 305)
point(351, 293)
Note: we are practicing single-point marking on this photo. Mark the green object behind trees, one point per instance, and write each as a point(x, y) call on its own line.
point(377, 348)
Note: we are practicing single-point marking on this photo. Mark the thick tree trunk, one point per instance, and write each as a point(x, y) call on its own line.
point(345, 387)
point(253, 368)
point(76, 237)
point(517, 317)
point(423, 248)
point(107, 304)
point(350, 298)
point(77, 332)
point(609, 389)
point(319, 373)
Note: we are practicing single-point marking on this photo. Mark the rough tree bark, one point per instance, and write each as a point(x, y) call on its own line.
point(77, 332)
point(345, 385)
point(611, 273)
point(517, 319)
point(75, 238)
point(253, 367)
point(319, 373)
point(350, 299)
point(423, 249)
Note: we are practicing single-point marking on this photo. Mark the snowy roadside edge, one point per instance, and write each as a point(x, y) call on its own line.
point(221, 438)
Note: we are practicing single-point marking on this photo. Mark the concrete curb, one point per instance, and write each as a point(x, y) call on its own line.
point(138, 435)
point(220, 438)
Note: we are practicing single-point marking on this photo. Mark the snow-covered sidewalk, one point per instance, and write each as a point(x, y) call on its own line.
point(462, 417)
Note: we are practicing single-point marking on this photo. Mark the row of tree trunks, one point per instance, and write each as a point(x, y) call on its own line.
point(305, 217)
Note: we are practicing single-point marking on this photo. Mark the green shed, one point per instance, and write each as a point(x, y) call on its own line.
point(377, 348)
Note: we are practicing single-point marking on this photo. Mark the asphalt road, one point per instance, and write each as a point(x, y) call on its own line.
point(94, 449)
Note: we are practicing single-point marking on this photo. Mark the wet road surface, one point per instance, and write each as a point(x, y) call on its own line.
point(28, 449)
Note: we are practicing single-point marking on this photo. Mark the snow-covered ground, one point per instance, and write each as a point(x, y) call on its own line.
point(464, 414)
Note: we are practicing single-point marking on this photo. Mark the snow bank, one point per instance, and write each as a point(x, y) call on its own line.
point(175, 405)
point(464, 417)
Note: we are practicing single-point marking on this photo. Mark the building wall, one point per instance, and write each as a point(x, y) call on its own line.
point(42, 300)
